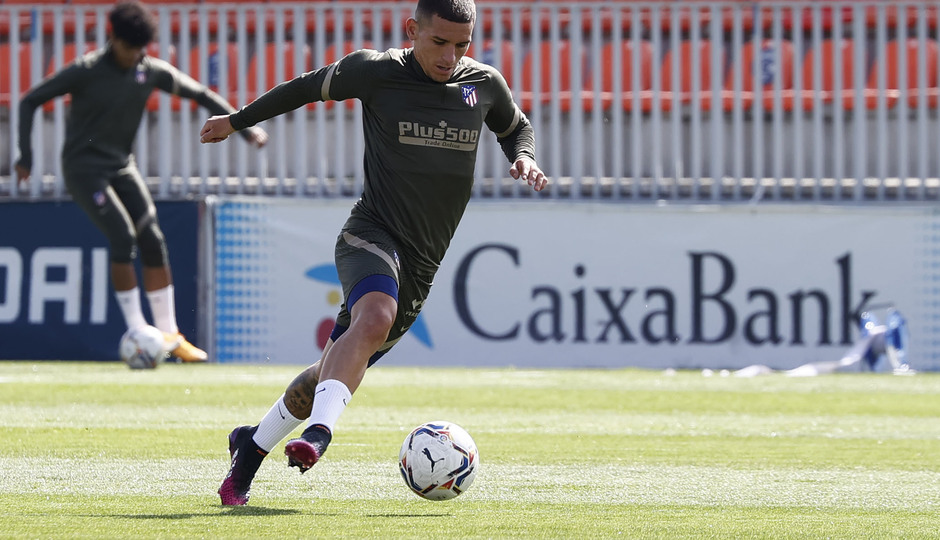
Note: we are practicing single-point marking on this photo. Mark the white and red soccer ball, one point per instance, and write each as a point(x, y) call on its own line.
point(143, 347)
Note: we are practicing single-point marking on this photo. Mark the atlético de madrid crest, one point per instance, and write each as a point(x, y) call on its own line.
point(469, 95)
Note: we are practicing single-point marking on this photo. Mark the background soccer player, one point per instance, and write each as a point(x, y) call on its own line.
point(109, 89)
point(423, 110)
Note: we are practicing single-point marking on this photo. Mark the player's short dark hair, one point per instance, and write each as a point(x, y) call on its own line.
point(132, 23)
point(459, 11)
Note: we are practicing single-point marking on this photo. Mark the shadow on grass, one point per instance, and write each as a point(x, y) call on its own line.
point(225, 511)
point(408, 515)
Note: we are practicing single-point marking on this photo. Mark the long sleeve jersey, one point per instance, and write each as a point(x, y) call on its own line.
point(107, 105)
point(421, 139)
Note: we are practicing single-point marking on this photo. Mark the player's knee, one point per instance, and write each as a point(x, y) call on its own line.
point(123, 246)
point(376, 323)
point(152, 244)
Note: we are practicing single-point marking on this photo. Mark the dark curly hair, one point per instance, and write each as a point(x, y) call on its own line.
point(132, 23)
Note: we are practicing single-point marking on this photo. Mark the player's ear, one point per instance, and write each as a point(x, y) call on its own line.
point(411, 28)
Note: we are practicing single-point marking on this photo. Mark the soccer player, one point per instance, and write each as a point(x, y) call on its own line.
point(109, 89)
point(423, 110)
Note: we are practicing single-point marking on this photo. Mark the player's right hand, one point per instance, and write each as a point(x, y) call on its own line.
point(216, 129)
point(259, 137)
point(22, 173)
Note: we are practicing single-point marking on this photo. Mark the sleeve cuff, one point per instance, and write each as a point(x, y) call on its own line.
point(237, 123)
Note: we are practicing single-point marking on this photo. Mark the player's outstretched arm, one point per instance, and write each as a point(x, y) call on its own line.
point(526, 169)
point(216, 129)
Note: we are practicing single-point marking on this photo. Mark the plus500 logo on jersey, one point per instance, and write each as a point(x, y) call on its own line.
point(30, 283)
point(415, 133)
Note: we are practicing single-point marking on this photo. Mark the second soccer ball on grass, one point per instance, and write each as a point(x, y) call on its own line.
point(143, 347)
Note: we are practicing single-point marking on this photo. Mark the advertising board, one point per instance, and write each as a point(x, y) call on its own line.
point(544, 284)
point(56, 301)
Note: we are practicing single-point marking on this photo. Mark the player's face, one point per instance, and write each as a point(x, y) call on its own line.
point(439, 44)
point(125, 55)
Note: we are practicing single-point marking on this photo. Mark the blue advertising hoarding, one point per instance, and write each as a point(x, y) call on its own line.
point(56, 300)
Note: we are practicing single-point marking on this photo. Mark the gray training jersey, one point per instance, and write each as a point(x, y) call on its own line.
point(421, 139)
point(107, 105)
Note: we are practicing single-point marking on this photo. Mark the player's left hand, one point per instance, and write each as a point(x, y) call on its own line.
point(528, 170)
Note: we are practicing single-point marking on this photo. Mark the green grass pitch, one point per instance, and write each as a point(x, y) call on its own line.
point(94, 450)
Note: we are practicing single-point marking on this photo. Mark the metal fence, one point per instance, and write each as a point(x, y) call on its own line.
point(816, 101)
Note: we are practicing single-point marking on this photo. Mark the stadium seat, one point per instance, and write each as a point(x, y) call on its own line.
point(269, 55)
point(487, 55)
point(213, 79)
point(153, 103)
point(829, 50)
point(337, 10)
point(685, 16)
point(548, 64)
point(892, 64)
point(685, 56)
point(527, 17)
point(900, 17)
point(45, 15)
point(768, 75)
point(607, 20)
point(6, 76)
point(752, 17)
point(607, 69)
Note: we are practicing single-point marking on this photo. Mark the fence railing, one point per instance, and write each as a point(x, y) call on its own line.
point(642, 101)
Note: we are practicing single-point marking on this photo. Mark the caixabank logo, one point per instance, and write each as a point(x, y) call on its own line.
point(327, 274)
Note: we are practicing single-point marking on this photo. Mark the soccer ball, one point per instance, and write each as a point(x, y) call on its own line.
point(438, 460)
point(143, 347)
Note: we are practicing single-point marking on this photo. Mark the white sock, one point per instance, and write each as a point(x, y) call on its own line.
point(329, 401)
point(163, 308)
point(275, 425)
point(129, 301)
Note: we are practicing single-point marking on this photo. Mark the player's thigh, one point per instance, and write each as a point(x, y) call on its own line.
point(92, 192)
point(363, 255)
point(412, 294)
point(370, 256)
point(135, 197)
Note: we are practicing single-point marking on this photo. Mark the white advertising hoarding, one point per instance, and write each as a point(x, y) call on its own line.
point(548, 284)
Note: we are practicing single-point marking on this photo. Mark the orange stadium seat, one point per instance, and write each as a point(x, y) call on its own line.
point(529, 12)
point(487, 55)
point(783, 71)
point(46, 20)
point(347, 17)
point(270, 54)
point(153, 103)
point(892, 63)
point(213, 79)
point(548, 64)
point(6, 76)
point(900, 17)
point(684, 56)
point(830, 49)
point(643, 80)
point(23, 22)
